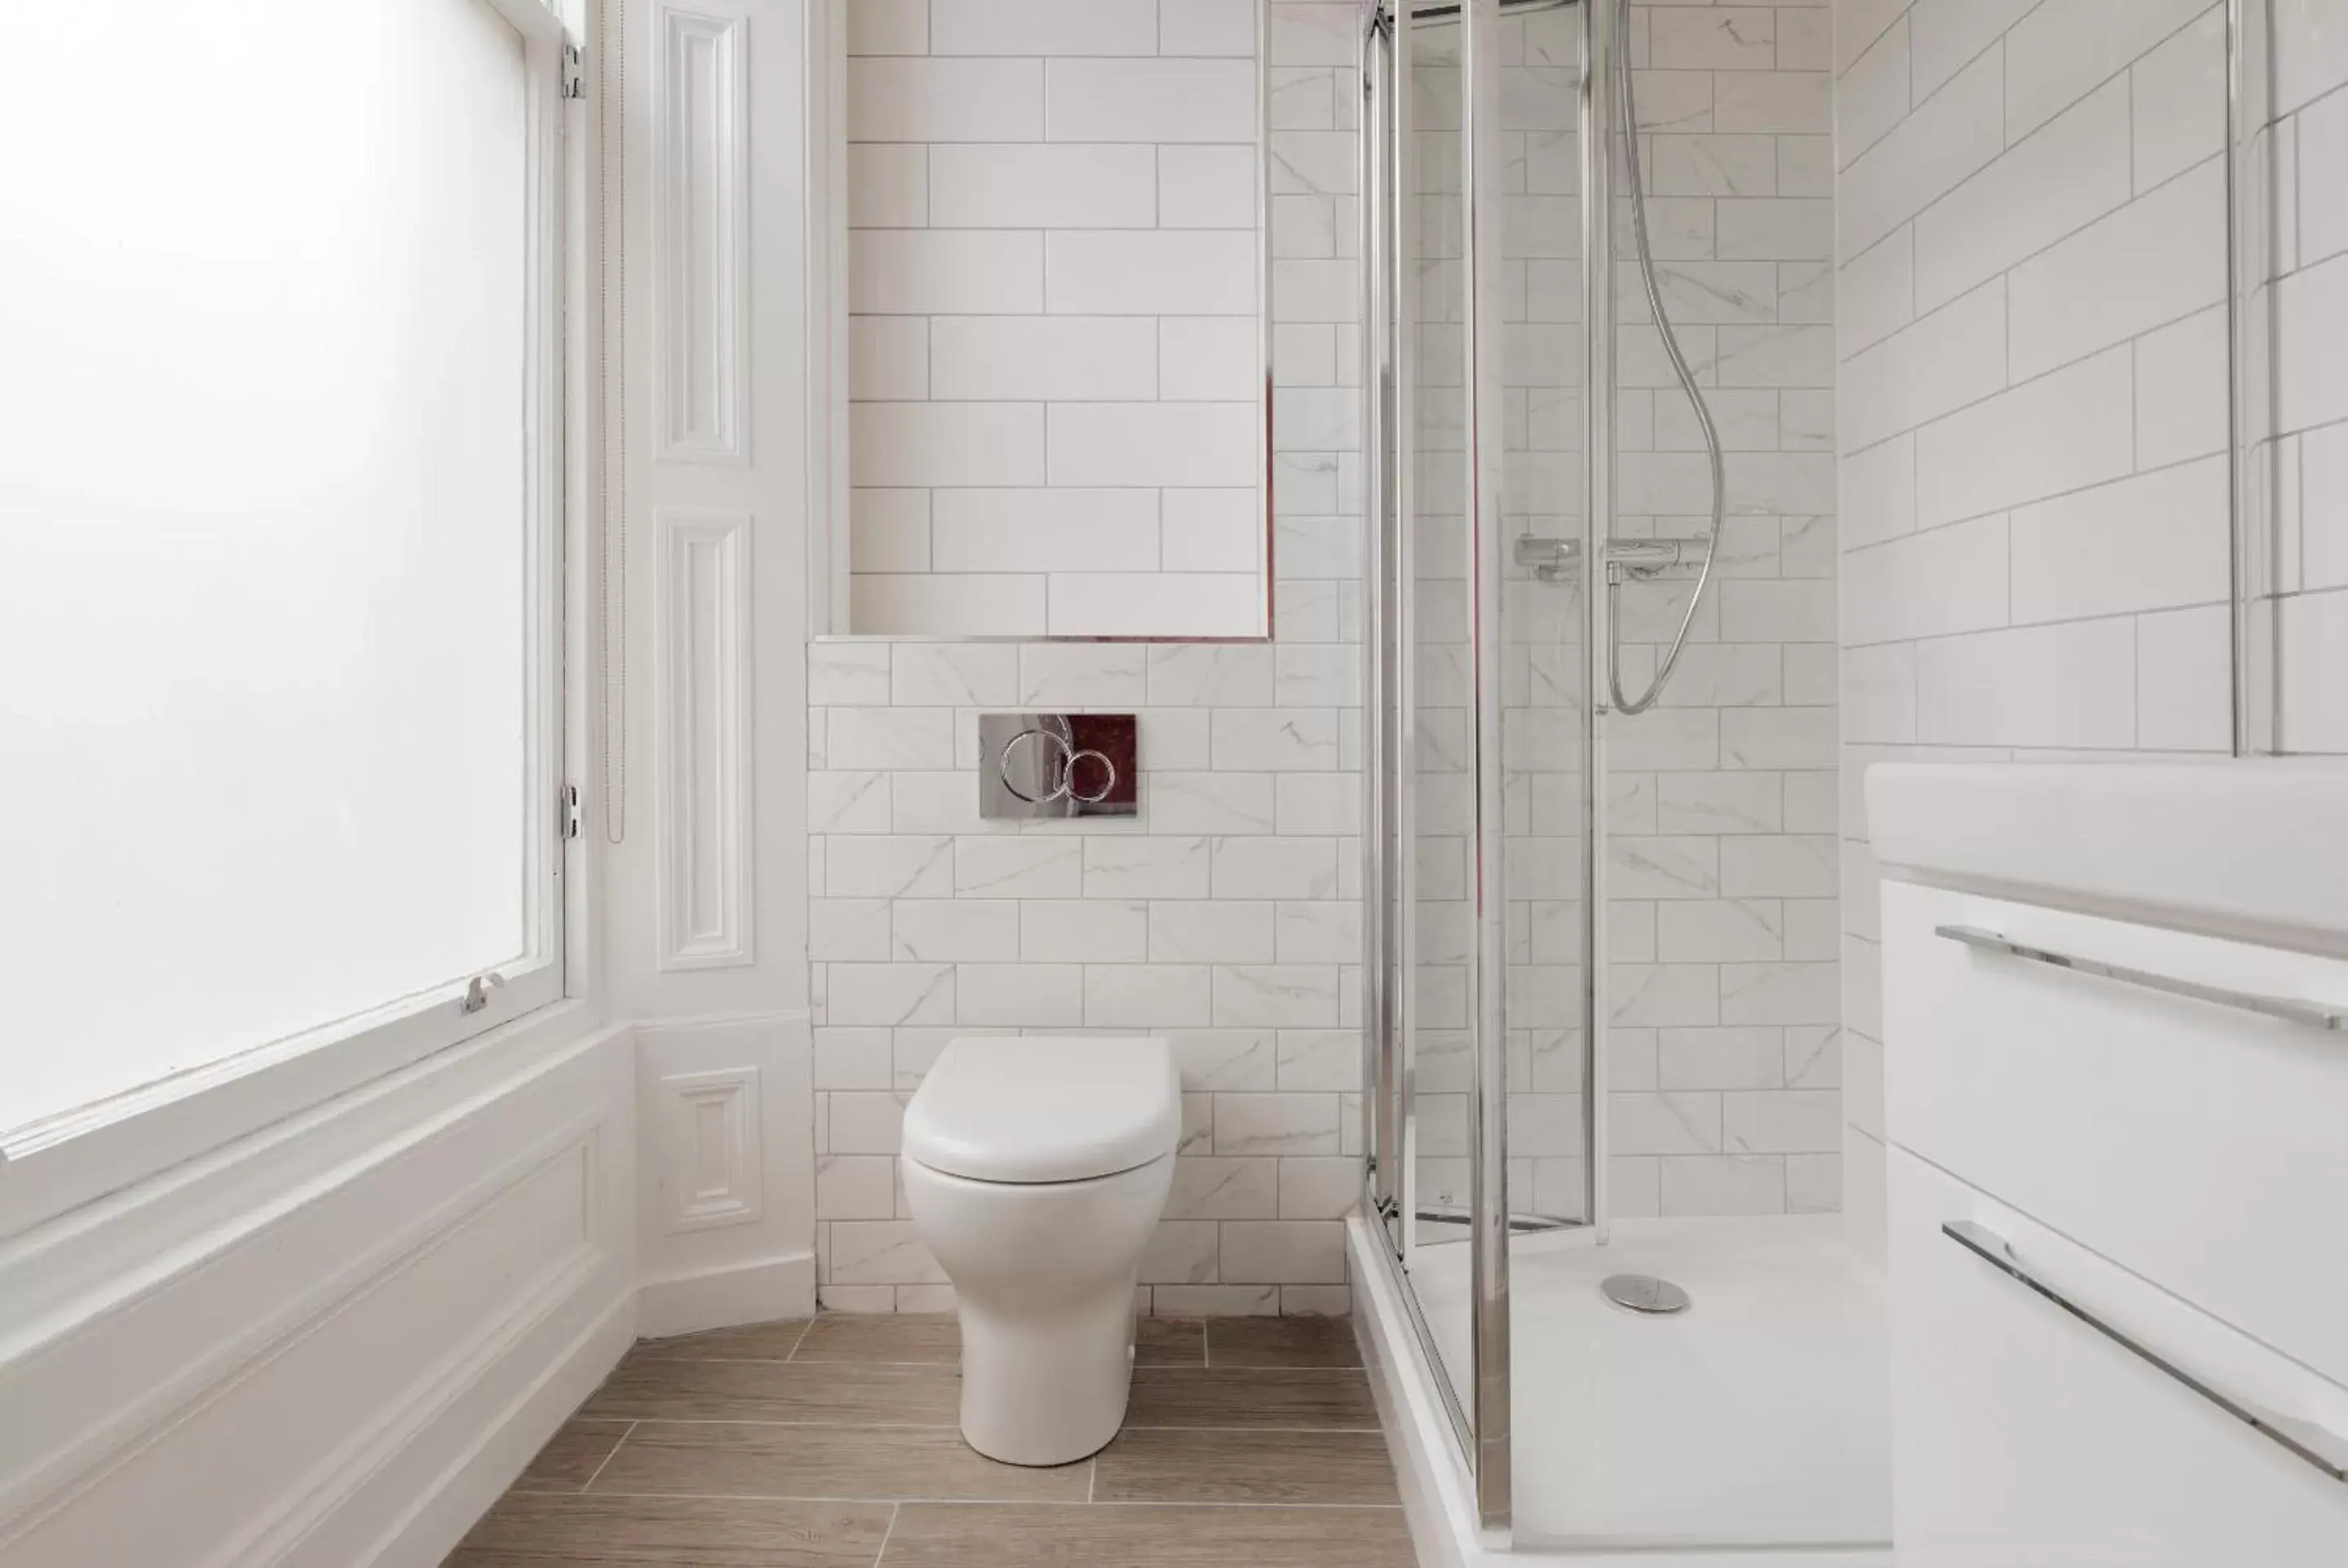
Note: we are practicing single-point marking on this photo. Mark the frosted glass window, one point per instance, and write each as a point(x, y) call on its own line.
point(265, 689)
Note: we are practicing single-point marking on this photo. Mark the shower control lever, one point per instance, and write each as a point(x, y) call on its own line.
point(1548, 558)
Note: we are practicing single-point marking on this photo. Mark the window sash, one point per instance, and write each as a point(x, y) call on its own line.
point(51, 1163)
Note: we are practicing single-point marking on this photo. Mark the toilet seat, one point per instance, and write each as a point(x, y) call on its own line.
point(1028, 1109)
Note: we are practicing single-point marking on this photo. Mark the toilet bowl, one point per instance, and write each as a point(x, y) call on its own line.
point(1036, 1170)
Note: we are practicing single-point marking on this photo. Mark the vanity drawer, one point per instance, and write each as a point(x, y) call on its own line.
point(2025, 1439)
point(2201, 1146)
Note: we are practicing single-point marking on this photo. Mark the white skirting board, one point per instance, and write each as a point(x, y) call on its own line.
point(762, 1291)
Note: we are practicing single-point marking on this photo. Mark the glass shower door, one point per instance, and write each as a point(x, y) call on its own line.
point(1540, 348)
point(1472, 360)
point(1418, 622)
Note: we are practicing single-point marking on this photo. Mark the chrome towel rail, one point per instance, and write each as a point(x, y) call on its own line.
point(2326, 1449)
point(2313, 1014)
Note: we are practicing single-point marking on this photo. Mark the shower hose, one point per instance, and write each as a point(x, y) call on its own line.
point(1646, 699)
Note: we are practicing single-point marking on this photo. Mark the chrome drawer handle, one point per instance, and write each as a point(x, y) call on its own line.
point(2326, 1449)
point(2310, 1014)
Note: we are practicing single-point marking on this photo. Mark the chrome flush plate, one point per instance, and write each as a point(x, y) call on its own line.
point(1039, 767)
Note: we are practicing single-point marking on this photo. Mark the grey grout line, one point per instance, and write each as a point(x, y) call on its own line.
point(887, 1530)
point(2013, 385)
point(1935, 637)
point(2167, 468)
point(804, 1329)
point(608, 1458)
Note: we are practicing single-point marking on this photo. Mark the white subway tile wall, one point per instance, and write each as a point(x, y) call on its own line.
point(1227, 918)
point(1055, 366)
point(2031, 258)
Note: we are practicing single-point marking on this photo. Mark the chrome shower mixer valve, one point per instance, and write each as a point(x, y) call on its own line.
point(1550, 559)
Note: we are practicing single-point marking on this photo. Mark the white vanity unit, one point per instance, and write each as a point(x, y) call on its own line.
point(2116, 1093)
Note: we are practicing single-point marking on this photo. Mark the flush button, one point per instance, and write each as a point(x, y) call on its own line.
point(1041, 765)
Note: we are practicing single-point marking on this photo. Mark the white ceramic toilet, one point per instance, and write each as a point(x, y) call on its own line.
point(1036, 1169)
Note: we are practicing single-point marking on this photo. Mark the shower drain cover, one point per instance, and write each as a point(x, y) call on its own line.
point(1643, 1293)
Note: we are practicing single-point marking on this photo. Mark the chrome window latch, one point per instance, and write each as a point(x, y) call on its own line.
point(574, 79)
point(476, 992)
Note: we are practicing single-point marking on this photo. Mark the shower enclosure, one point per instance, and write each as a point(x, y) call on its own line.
point(1599, 843)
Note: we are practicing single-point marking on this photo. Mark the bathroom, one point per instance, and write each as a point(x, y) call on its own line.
point(921, 823)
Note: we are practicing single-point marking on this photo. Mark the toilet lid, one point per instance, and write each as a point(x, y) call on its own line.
point(1036, 1109)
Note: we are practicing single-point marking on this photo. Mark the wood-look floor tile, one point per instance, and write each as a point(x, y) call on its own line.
point(1161, 1466)
point(752, 1342)
point(1170, 1342)
point(1282, 1342)
point(467, 1557)
point(1010, 1535)
point(839, 1393)
point(717, 1459)
point(920, 1337)
point(882, 1337)
point(1251, 1397)
point(574, 1453)
point(675, 1532)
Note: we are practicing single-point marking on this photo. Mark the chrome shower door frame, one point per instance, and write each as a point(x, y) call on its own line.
point(1483, 274)
point(1388, 178)
point(1391, 880)
point(1388, 737)
point(1600, 37)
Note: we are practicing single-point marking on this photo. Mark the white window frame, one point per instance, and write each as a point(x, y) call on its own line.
point(53, 1163)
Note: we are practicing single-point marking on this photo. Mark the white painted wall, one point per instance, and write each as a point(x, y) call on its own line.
point(703, 929)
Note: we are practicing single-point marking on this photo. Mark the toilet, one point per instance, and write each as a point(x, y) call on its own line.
point(1035, 1170)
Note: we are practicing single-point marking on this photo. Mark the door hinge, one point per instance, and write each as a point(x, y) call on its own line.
point(570, 810)
point(574, 74)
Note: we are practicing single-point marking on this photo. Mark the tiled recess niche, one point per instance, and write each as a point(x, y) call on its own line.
point(1056, 362)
